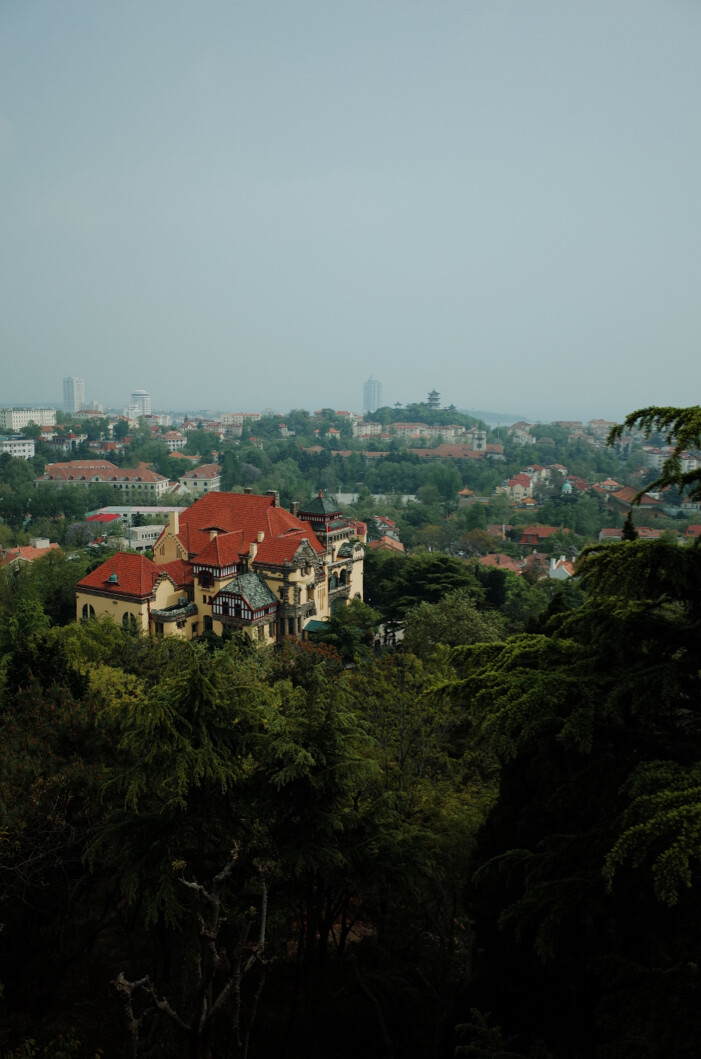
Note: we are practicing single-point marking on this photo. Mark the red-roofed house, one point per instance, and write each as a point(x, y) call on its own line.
point(502, 562)
point(203, 479)
point(13, 558)
point(535, 535)
point(624, 498)
point(233, 561)
point(387, 544)
point(129, 481)
point(518, 487)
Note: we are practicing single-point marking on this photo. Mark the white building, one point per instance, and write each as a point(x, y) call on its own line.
point(73, 394)
point(141, 403)
point(21, 447)
point(237, 419)
point(13, 419)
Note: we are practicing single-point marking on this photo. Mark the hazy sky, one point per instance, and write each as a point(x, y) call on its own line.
point(244, 205)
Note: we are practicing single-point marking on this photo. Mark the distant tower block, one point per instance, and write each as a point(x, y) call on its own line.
point(434, 399)
point(73, 394)
point(372, 395)
point(141, 401)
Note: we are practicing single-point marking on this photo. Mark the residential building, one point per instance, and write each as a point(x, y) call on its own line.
point(13, 419)
point(238, 419)
point(561, 569)
point(203, 479)
point(14, 558)
point(387, 543)
point(233, 561)
point(67, 442)
point(372, 396)
point(131, 482)
point(173, 440)
point(361, 429)
point(17, 445)
point(73, 394)
point(518, 487)
point(536, 535)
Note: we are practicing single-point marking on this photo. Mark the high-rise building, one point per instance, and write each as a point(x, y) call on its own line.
point(73, 394)
point(372, 395)
point(141, 403)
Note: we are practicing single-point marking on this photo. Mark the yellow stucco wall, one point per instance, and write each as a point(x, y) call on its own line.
point(112, 608)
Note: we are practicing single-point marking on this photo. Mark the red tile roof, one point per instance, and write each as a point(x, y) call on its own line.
point(207, 470)
point(386, 544)
point(178, 571)
point(245, 514)
point(27, 553)
point(224, 550)
point(502, 562)
point(125, 574)
point(84, 470)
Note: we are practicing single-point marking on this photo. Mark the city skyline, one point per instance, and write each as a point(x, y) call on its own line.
point(496, 201)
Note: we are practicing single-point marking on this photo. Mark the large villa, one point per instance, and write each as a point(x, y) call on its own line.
point(234, 561)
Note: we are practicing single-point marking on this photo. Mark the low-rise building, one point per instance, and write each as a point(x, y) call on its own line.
point(18, 446)
point(130, 482)
point(203, 479)
point(173, 440)
point(13, 419)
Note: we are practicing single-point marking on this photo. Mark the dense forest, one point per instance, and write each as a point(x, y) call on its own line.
point(464, 821)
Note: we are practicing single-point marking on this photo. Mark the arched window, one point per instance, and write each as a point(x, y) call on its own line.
point(88, 611)
point(129, 622)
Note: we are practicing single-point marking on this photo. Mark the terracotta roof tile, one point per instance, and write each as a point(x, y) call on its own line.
point(245, 515)
point(125, 574)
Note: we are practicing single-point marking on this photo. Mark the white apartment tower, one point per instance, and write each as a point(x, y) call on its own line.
point(372, 395)
point(73, 394)
point(141, 403)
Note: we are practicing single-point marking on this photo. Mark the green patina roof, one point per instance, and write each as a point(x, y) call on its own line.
point(253, 589)
point(320, 505)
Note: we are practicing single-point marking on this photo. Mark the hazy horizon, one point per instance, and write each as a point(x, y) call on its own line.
point(250, 206)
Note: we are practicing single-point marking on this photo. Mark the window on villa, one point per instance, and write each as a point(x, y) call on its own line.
point(208, 624)
point(88, 611)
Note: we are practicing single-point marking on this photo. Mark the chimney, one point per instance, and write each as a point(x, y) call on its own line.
point(275, 495)
point(174, 522)
point(252, 550)
point(261, 536)
point(212, 534)
point(294, 507)
point(248, 490)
